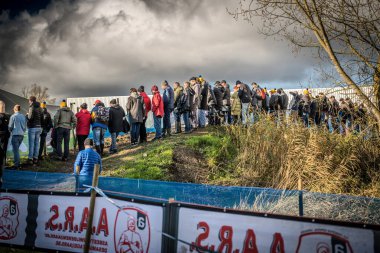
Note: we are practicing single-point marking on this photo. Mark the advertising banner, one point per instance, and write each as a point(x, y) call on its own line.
point(13, 213)
point(62, 225)
point(239, 233)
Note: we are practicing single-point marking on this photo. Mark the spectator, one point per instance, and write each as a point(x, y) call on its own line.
point(245, 96)
point(195, 86)
point(115, 124)
point(235, 106)
point(136, 112)
point(100, 116)
point(47, 125)
point(87, 159)
point(4, 136)
point(178, 90)
point(185, 105)
point(148, 108)
point(35, 121)
point(17, 128)
point(64, 121)
point(83, 125)
point(204, 96)
point(158, 111)
point(226, 102)
point(168, 98)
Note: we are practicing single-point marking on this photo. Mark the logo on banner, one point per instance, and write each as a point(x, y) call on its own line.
point(8, 218)
point(323, 242)
point(132, 231)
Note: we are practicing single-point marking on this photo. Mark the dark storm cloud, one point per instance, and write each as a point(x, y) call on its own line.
point(95, 47)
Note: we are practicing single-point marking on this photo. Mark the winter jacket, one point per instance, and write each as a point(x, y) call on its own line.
point(235, 104)
point(185, 103)
point(135, 108)
point(244, 93)
point(168, 98)
point(283, 100)
point(274, 102)
point(83, 122)
point(35, 116)
point(204, 96)
point(97, 122)
point(294, 103)
point(219, 93)
point(177, 94)
point(195, 100)
point(333, 108)
point(115, 123)
point(147, 103)
point(157, 105)
point(17, 124)
point(4, 123)
point(256, 101)
point(65, 118)
point(47, 122)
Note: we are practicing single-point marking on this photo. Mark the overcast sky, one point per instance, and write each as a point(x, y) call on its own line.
point(98, 48)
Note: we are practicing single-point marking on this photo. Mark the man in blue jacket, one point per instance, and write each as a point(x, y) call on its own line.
point(168, 98)
point(17, 128)
point(99, 118)
point(87, 158)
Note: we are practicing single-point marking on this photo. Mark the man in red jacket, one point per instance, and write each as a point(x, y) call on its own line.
point(83, 125)
point(158, 111)
point(148, 107)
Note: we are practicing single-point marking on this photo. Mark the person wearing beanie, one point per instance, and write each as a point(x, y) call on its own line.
point(83, 125)
point(245, 96)
point(168, 97)
point(99, 120)
point(148, 108)
point(87, 159)
point(195, 86)
point(47, 125)
point(158, 111)
point(64, 121)
point(136, 115)
point(34, 122)
point(115, 124)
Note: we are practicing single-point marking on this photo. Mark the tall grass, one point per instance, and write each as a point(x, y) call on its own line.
point(270, 154)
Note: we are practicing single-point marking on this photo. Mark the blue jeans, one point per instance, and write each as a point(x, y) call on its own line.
point(202, 118)
point(305, 118)
point(135, 132)
point(167, 124)
point(34, 142)
point(186, 120)
point(157, 126)
point(113, 146)
point(16, 142)
point(245, 113)
point(98, 135)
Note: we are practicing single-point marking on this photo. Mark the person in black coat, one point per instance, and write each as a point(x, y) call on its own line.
point(47, 125)
point(115, 123)
point(4, 136)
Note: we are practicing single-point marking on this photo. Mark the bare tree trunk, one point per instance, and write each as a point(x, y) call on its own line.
point(376, 84)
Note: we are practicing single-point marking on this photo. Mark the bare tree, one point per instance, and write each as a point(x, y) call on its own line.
point(346, 33)
point(41, 93)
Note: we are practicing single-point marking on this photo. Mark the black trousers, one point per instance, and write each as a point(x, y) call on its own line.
point(42, 142)
point(143, 135)
point(63, 134)
point(80, 139)
point(4, 138)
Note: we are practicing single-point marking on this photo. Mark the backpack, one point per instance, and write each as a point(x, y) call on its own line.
point(102, 114)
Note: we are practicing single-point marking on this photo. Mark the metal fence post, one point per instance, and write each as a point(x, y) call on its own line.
point(300, 196)
point(91, 209)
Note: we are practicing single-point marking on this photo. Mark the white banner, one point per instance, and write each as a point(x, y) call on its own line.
point(223, 232)
point(13, 213)
point(61, 225)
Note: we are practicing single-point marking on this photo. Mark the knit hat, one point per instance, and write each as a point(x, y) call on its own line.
point(88, 142)
point(97, 102)
point(193, 79)
point(306, 92)
point(141, 89)
point(154, 88)
point(63, 104)
point(272, 91)
point(43, 105)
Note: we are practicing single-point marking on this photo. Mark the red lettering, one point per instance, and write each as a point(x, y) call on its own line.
point(103, 223)
point(69, 218)
point(49, 224)
point(83, 223)
point(225, 237)
point(202, 236)
point(278, 245)
point(250, 242)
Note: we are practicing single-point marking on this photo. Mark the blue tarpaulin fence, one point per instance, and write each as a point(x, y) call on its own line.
point(362, 208)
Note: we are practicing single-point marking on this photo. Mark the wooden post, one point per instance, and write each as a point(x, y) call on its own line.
point(91, 209)
point(300, 196)
point(77, 171)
